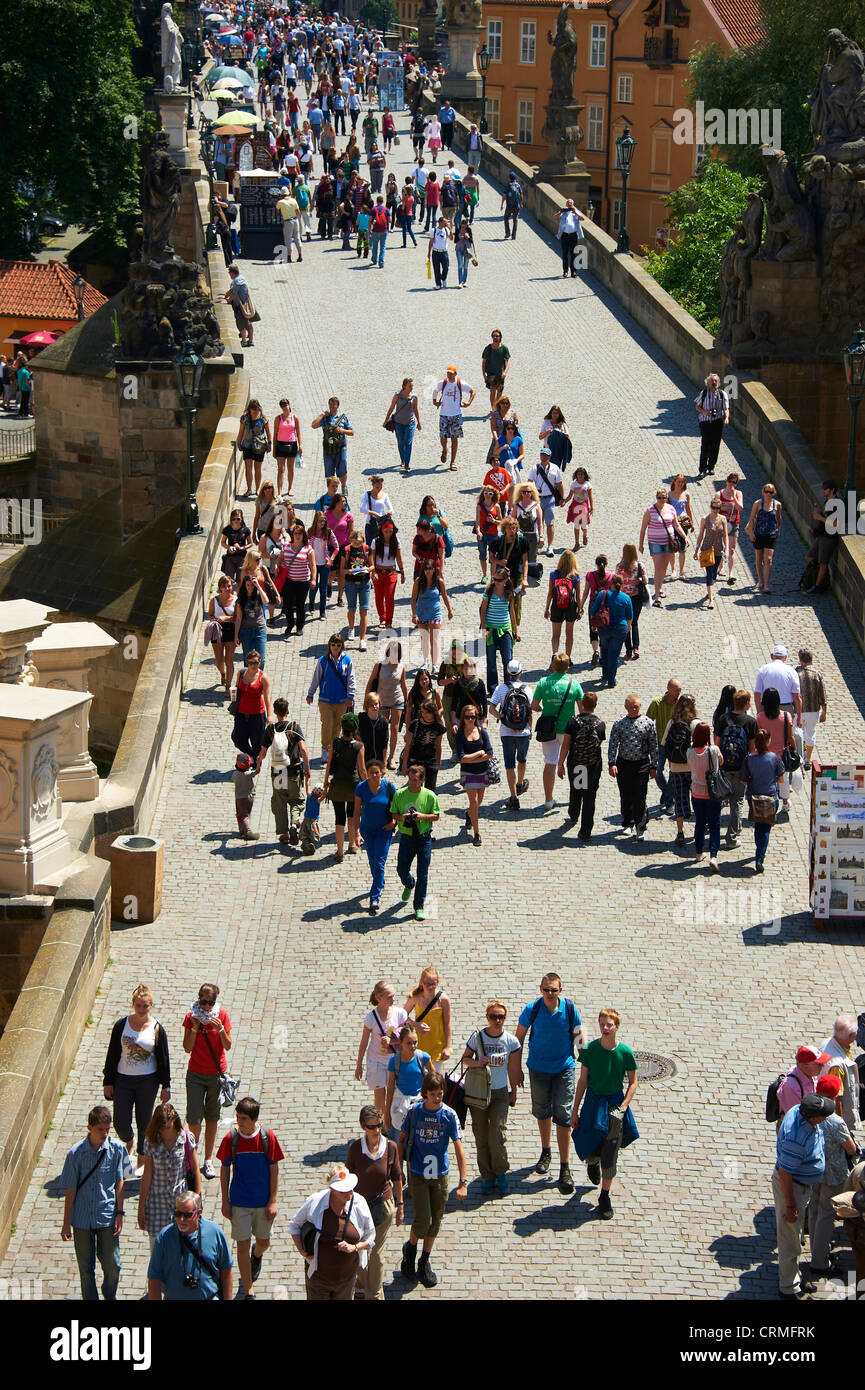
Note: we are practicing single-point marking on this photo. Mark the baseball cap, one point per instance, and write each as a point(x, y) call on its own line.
point(546, 450)
point(515, 667)
point(829, 1086)
point(342, 1181)
point(779, 650)
point(814, 1105)
point(811, 1054)
point(243, 762)
point(451, 368)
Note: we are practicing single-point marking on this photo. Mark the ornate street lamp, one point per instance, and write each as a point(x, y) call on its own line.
point(187, 58)
point(188, 367)
point(853, 358)
point(483, 66)
point(590, 211)
point(625, 146)
point(208, 149)
point(78, 285)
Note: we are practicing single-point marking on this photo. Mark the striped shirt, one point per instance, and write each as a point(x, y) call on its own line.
point(95, 1206)
point(297, 561)
point(800, 1148)
point(498, 612)
point(661, 523)
point(717, 403)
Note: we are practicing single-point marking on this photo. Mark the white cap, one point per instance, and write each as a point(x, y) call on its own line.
point(515, 667)
point(343, 1181)
point(779, 650)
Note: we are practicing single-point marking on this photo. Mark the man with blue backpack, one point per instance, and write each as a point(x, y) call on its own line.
point(512, 202)
point(734, 735)
point(553, 1024)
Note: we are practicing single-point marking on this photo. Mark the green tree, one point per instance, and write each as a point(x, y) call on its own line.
point(75, 118)
point(379, 14)
point(778, 73)
point(703, 213)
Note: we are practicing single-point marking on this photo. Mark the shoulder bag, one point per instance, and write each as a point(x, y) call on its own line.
point(761, 810)
point(717, 786)
point(478, 1082)
point(545, 728)
point(790, 758)
point(642, 586)
point(675, 541)
point(215, 1274)
point(227, 1083)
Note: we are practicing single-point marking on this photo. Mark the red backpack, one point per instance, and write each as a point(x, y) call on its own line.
point(380, 219)
point(562, 592)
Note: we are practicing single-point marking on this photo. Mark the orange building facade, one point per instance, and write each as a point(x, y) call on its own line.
point(632, 63)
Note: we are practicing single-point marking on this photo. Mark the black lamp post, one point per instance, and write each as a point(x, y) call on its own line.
point(188, 367)
point(625, 146)
point(483, 65)
point(208, 147)
point(187, 58)
point(854, 370)
point(78, 290)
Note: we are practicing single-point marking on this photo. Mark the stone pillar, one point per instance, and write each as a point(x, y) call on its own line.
point(62, 656)
point(461, 83)
point(21, 622)
point(33, 848)
point(173, 111)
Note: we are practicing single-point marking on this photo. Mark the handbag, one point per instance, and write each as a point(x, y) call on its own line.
point(232, 708)
point(212, 632)
point(717, 786)
point(601, 615)
point(545, 728)
point(455, 1095)
point(642, 587)
point(227, 1084)
point(478, 1083)
point(389, 425)
point(707, 557)
point(494, 772)
point(762, 810)
point(790, 758)
point(308, 1233)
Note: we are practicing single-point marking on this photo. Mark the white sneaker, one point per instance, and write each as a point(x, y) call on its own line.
point(549, 550)
point(350, 637)
point(549, 805)
point(208, 1169)
point(362, 645)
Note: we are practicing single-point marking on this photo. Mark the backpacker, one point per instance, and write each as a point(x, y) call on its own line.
point(515, 708)
point(767, 521)
point(563, 592)
point(734, 747)
point(570, 1010)
point(514, 196)
point(235, 1139)
point(585, 741)
point(333, 440)
point(380, 219)
point(343, 766)
point(773, 1109)
point(284, 744)
point(677, 741)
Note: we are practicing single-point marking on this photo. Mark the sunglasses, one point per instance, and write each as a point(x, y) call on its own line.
point(469, 716)
point(548, 989)
point(378, 1126)
point(185, 1215)
point(496, 1018)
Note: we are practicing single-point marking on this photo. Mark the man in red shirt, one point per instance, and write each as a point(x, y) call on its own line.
point(250, 1158)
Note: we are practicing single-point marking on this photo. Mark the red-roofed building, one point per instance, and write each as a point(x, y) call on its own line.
point(632, 65)
point(40, 295)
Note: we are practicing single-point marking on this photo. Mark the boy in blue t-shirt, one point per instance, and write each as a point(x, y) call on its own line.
point(427, 1130)
point(362, 233)
point(249, 1178)
point(310, 834)
point(406, 1071)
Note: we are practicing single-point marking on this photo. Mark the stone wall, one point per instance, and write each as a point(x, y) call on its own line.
point(77, 440)
point(756, 414)
point(22, 927)
point(44, 1029)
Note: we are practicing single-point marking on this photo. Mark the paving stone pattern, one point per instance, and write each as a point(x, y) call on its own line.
point(725, 984)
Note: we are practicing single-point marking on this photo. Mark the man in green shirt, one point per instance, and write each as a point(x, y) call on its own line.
point(495, 365)
point(414, 809)
point(556, 697)
point(661, 710)
point(605, 1123)
point(370, 131)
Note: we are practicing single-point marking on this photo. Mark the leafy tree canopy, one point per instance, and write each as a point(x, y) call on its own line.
point(703, 213)
point(76, 123)
point(379, 14)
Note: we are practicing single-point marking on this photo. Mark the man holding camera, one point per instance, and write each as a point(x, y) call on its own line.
point(413, 810)
point(190, 1261)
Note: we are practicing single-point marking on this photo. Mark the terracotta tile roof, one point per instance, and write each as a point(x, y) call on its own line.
point(43, 290)
point(741, 19)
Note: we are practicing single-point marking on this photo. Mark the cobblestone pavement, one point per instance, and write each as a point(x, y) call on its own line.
point(723, 977)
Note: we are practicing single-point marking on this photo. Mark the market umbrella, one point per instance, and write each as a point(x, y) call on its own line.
point(228, 84)
point(234, 130)
point(43, 338)
point(245, 118)
point(224, 71)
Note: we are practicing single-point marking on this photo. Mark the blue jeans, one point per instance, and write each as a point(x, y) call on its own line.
point(378, 242)
point(484, 545)
point(503, 643)
point(322, 575)
point(405, 222)
point(632, 639)
point(404, 440)
point(707, 815)
point(104, 1245)
point(253, 639)
point(409, 846)
point(662, 782)
point(377, 845)
point(761, 841)
point(612, 639)
point(357, 594)
point(463, 262)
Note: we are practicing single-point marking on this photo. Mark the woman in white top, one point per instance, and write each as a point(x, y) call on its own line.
point(136, 1065)
point(434, 137)
point(381, 1023)
point(526, 508)
point(680, 500)
point(374, 504)
point(221, 610)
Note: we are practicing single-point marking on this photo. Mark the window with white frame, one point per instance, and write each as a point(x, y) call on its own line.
point(625, 89)
point(525, 121)
point(617, 215)
point(528, 34)
point(493, 112)
point(699, 155)
point(596, 128)
point(494, 40)
point(598, 47)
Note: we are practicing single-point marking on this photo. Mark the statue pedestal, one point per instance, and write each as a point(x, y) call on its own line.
point(426, 35)
point(21, 622)
point(33, 847)
point(462, 81)
point(173, 111)
point(62, 656)
point(561, 168)
point(572, 180)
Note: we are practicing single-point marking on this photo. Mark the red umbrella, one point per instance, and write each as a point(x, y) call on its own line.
point(44, 338)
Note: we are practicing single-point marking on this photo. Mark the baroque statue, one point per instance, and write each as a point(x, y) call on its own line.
point(171, 42)
point(789, 222)
point(160, 199)
point(463, 14)
point(563, 63)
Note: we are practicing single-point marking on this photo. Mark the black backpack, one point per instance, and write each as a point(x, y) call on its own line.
point(734, 746)
point(570, 1010)
point(515, 708)
point(677, 741)
point(344, 765)
point(235, 1140)
point(585, 741)
point(773, 1109)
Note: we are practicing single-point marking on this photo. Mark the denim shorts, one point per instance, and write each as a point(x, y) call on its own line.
point(548, 507)
point(357, 595)
point(660, 548)
point(515, 749)
point(553, 1095)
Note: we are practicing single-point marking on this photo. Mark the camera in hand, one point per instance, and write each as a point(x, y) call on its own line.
point(412, 820)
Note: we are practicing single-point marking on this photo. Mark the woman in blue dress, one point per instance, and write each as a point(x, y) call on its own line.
point(427, 596)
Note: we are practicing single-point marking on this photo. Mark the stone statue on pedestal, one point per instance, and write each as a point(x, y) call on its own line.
point(463, 14)
point(160, 199)
point(171, 42)
point(562, 127)
point(563, 63)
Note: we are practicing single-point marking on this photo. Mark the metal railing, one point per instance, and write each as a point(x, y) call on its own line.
point(18, 442)
point(660, 50)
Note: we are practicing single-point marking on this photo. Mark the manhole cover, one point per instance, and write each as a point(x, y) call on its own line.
point(653, 1067)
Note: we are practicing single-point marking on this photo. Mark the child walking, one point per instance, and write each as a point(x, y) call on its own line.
point(310, 833)
point(244, 795)
point(582, 507)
